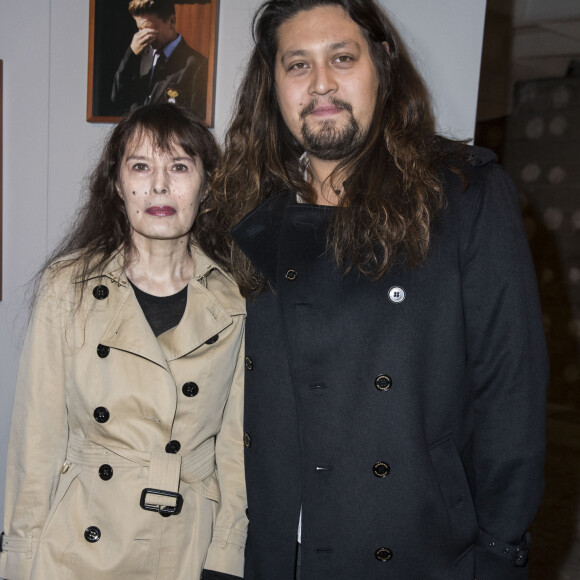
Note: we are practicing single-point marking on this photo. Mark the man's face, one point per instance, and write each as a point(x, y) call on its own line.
point(164, 29)
point(325, 80)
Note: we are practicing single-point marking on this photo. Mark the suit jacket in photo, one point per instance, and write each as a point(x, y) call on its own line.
point(182, 79)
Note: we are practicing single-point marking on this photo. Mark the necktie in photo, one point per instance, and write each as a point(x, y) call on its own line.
point(158, 66)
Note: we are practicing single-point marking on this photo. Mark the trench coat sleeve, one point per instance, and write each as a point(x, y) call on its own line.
point(226, 551)
point(509, 373)
point(38, 436)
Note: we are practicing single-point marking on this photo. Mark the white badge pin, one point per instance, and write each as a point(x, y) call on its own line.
point(396, 294)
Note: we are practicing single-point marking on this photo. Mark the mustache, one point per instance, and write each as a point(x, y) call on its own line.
point(310, 107)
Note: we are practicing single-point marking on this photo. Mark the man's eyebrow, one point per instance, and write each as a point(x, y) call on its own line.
point(332, 47)
point(291, 54)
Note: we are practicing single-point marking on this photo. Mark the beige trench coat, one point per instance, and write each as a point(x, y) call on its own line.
point(98, 400)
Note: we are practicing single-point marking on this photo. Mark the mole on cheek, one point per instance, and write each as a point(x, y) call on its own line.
point(134, 193)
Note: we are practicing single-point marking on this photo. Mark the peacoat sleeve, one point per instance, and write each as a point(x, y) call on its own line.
point(226, 551)
point(508, 373)
point(38, 435)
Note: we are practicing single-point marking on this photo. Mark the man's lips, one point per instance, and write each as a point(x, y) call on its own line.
point(160, 210)
point(324, 110)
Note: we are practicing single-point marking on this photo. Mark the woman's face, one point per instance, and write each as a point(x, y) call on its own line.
point(161, 190)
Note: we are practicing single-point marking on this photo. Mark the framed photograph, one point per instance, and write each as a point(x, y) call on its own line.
point(164, 52)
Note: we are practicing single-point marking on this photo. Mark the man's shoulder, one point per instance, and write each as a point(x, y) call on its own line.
point(185, 52)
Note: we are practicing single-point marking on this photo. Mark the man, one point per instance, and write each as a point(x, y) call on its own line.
point(396, 365)
point(159, 66)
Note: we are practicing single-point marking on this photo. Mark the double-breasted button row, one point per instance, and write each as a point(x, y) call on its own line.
point(100, 292)
point(383, 554)
point(190, 389)
point(101, 414)
point(92, 534)
point(173, 447)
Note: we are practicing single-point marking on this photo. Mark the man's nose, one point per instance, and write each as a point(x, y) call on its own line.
point(323, 80)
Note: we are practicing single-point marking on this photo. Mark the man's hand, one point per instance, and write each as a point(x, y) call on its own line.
point(142, 39)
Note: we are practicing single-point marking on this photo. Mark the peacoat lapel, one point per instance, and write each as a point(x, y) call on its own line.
point(258, 234)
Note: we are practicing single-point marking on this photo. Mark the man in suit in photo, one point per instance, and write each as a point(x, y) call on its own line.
point(159, 66)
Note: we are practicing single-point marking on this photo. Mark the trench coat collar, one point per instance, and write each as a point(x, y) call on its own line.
point(204, 316)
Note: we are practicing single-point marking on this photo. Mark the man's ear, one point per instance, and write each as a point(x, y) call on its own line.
point(173, 20)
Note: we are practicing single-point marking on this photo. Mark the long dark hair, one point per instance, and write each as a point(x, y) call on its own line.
point(393, 192)
point(102, 227)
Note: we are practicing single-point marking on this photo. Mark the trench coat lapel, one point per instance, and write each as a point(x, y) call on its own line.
point(205, 318)
point(130, 331)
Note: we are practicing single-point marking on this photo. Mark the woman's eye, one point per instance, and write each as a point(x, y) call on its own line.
point(140, 167)
point(180, 167)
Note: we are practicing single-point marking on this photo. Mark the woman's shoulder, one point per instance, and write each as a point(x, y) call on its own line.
point(218, 281)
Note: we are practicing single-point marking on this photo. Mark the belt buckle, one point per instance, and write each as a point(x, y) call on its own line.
point(164, 511)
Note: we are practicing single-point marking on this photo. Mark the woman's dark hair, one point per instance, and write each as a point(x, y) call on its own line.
point(393, 192)
point(102, 226)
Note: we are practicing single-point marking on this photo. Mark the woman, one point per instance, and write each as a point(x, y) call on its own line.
point(126, 449)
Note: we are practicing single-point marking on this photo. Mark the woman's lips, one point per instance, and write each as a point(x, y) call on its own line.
point(160, 210)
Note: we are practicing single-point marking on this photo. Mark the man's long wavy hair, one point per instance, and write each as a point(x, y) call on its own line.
point(102, 228)
point(394, 190)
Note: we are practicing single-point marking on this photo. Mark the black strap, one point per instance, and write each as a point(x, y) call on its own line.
point(518, 554)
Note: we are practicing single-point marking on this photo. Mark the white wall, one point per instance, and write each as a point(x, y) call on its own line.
point(49, 147)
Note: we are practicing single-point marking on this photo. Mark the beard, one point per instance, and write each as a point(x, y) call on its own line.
point(330, 140)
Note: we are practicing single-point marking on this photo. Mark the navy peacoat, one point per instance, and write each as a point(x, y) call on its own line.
point(403, 417)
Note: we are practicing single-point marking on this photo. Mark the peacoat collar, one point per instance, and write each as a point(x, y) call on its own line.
point(258, 234)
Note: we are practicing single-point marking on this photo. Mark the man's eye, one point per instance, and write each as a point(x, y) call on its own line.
point(298, 66)
point(343, 58)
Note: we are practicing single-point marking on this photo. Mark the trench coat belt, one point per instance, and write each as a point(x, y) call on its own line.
point(166, 470)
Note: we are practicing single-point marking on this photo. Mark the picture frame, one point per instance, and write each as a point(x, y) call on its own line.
point(111, 29)
point(1, 158)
